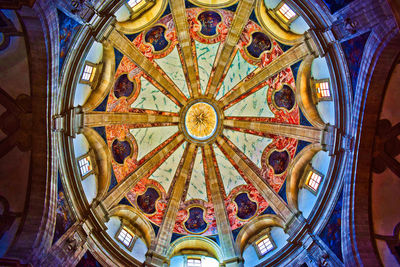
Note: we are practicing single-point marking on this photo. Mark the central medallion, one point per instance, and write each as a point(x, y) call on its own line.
point(201, 121)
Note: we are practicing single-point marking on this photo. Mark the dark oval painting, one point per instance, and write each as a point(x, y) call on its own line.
point(246, 207)
point(285, 98)
point(156, 37)
point(147, 201)
point(196, 223)
point(260, 43)
point(123, 86)
point(279, 161)
point(120, 150)
point(209, 21)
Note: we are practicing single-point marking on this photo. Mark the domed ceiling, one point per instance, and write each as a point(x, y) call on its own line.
point(214, 117)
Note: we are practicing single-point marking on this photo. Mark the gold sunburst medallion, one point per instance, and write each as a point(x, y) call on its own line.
point(201, 121)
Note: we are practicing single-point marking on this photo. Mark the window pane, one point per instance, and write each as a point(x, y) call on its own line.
point(314, 181)
point(84, 165)
point(125, 237)
point(133, 3)
point(194, 263)
point(287, 12)
point(87, 73)
point(265, 246)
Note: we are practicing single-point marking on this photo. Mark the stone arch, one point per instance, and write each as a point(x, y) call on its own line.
point(256, 226)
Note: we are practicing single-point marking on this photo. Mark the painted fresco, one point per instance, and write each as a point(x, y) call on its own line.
point(147, 201)
point(209, 21)
point(67, 30)
point(335, 5)
point(285, 98)
point(259, 44)
point(331, 234)
point(246, 207)
point(153, 99)
point(88, 260)
point(279, 161)
point(120, 150)
point(64, 218)
point(156, 37)
point(123, 87)
point(195, 222)
point(353, 50)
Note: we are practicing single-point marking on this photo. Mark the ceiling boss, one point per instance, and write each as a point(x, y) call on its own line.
point(201, 121)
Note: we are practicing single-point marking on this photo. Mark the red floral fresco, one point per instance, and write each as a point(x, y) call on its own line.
point(281, 115)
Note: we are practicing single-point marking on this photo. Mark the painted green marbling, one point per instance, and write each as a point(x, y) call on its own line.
point(172, 66)
point(205, 60)
point(149, 138)
point(151, 98)
point(251, 145)
point(239, 70)
point(165, 173)
point(197, 188)
point(230, 177)
point(254, 105)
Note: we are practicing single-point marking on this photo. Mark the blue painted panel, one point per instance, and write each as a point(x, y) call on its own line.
point(335, 5)
point(64, 217)
point(353, 50)
point(68, 28)
point(331, 234)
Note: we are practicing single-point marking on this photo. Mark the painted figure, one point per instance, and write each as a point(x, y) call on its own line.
point(246, 207)
point(120, 150)
point(209, 21)
point(123, 86)
point(155, 36)
point(195, 223)
point(285, 98)
point(260, 43)
point(147, 201)
point(279, 161)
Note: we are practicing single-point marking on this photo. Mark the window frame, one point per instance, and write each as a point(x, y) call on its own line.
point(193, 258)
point(93, 74)
point(123, 227)
point(282, 15)
point(280, 18)
point(265, 235)
point(307, 178)
point(315, 93)
point(88, 157)
point(139, 8)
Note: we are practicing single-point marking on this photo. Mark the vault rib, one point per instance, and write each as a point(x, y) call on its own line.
point(300, 132)
point(185, 43)
point(218, 200)
point(161, 243)
point(225, 53)
point(96, 119)
point(169, 88)
point(146, 169)
point(273, 199)
point(259, 75)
